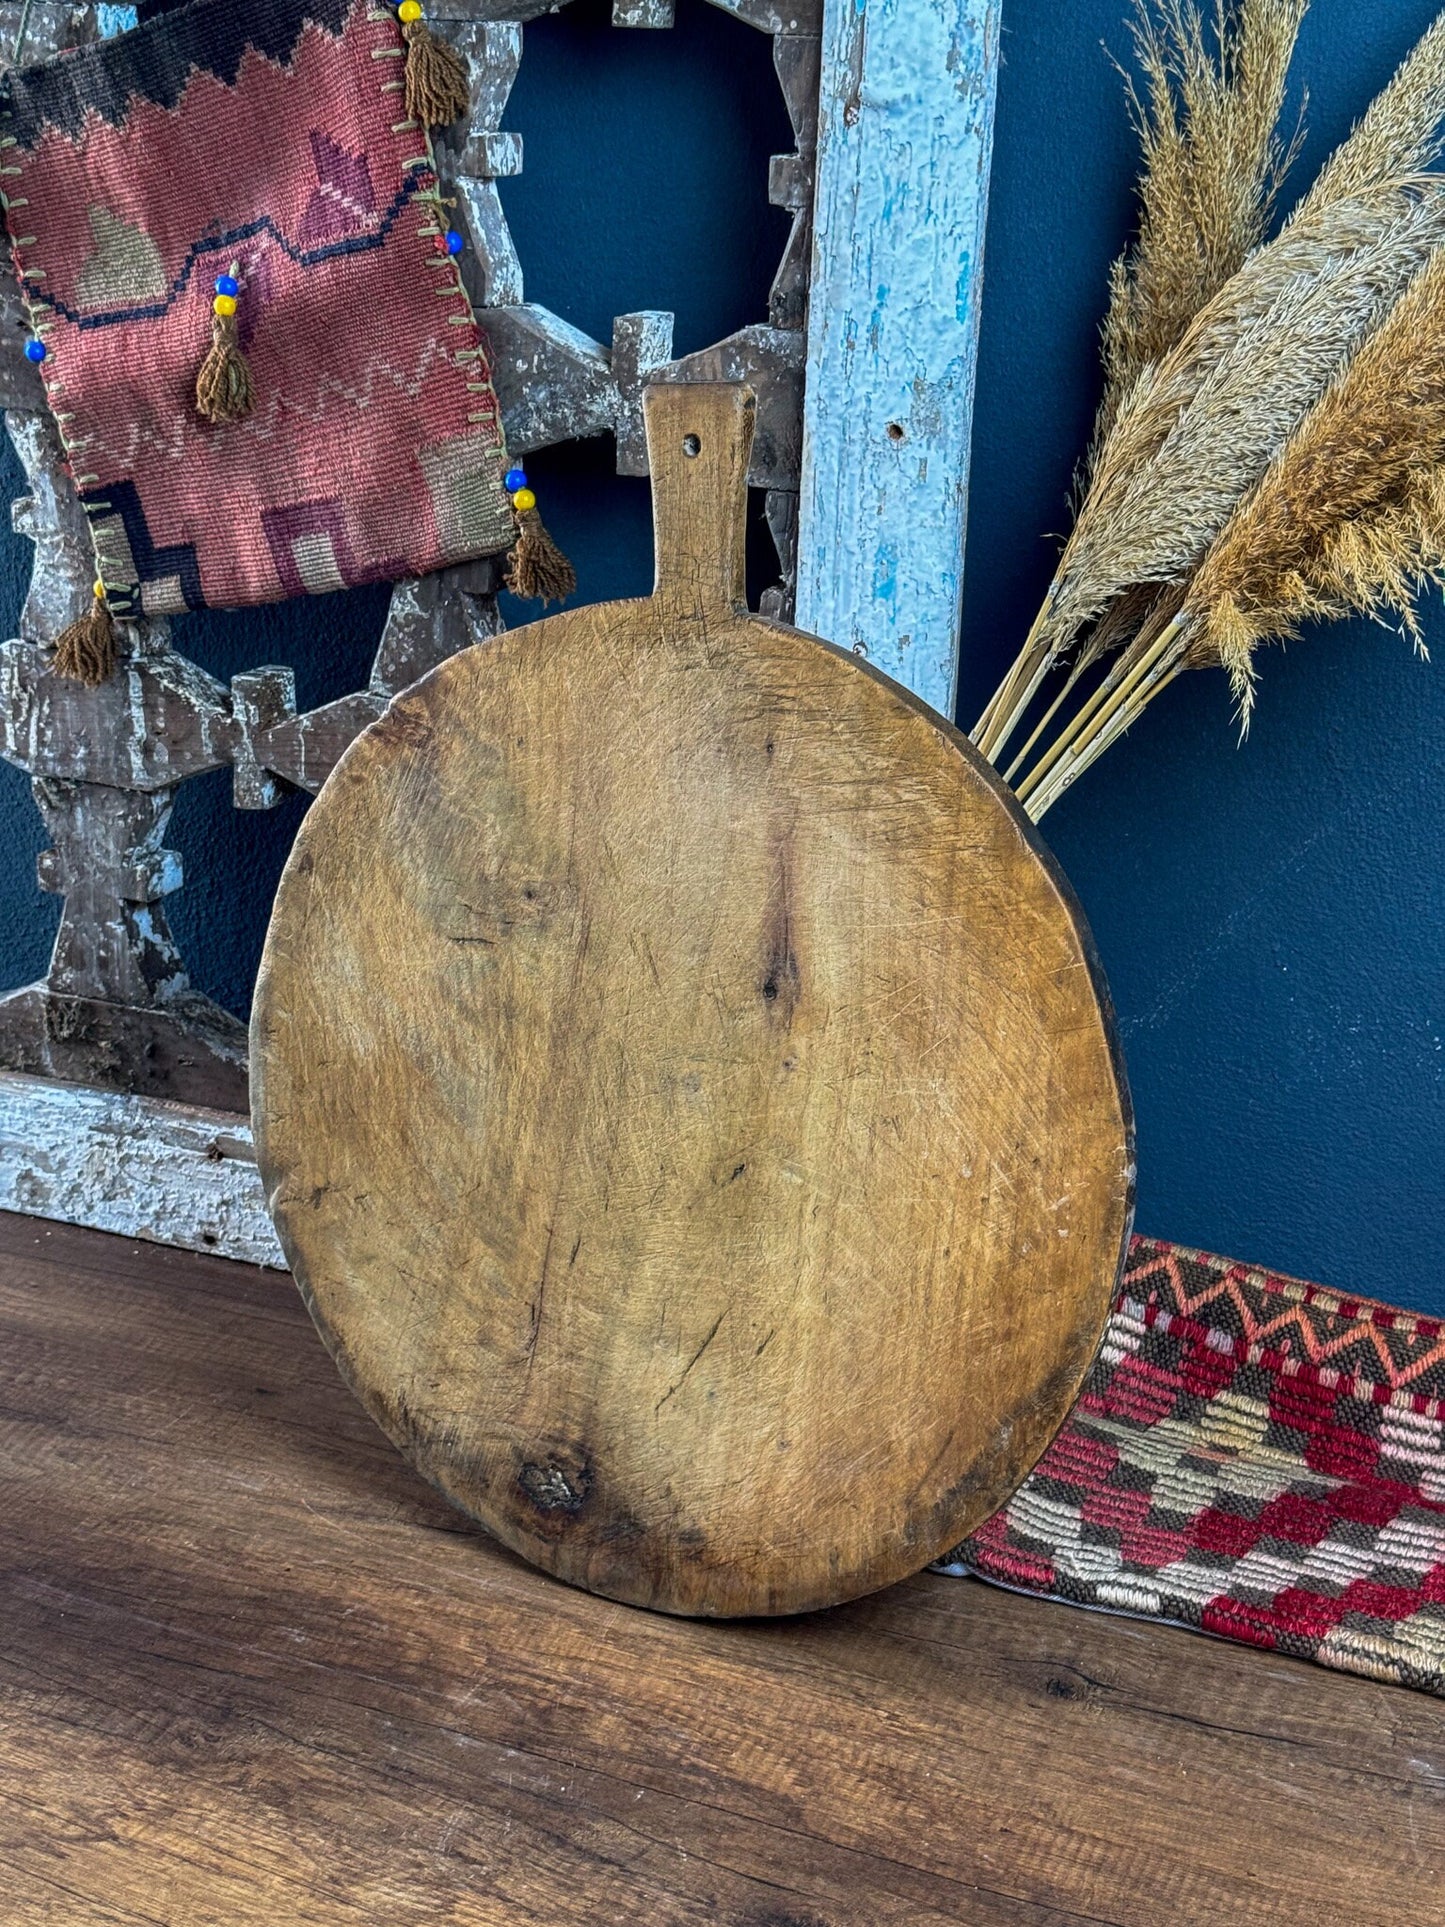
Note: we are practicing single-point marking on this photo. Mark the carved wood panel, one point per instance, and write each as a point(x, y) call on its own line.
point(116, 1008)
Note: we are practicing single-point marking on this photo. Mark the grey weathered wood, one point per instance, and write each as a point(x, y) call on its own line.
point(776, 16)
point(780, 506)
point(172, 1173)
point(184, 1049)
point(491, 271)
point(641, 345)
point(432, 618)
point(493, 52)
point(519, 11)
point(20, 384)
point(57, 729)
point(554, 382)
point(51, 516)
point(260, 700)
point(109, 861)
point(428, 621)
point(472, 158)
point(39, 28)
point(643, 13)
point(790, 176)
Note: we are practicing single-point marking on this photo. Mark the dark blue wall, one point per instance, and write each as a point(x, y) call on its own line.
point(1270, 916)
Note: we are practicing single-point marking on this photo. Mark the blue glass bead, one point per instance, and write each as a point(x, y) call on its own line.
point(455, 243)
point(35, 350)
point(227, 284)
point(515, 478)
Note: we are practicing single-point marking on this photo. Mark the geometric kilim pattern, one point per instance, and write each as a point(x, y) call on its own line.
point(267, 141)
point(1255, 1457)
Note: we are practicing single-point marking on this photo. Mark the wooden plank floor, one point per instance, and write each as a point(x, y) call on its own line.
point(252, 1670)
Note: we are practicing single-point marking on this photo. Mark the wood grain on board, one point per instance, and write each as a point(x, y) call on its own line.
point(255, 1674)
point(685, 1092)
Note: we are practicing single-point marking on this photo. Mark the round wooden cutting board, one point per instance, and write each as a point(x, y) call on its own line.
point(686, 1094)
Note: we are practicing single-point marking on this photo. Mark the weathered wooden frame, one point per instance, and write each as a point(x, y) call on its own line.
point(904, 150)
point(113, 1066)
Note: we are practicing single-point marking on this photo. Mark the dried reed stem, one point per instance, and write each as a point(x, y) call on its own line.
point(1017, 690)
point(1118, 725)
point(1119, 689)
point(1048, 716)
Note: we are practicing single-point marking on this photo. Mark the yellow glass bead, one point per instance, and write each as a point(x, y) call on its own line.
point(408, 11)
point(523, 500)
point(97, 589)
point(224, 304)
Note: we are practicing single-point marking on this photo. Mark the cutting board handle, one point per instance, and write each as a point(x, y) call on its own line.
point(699, 439)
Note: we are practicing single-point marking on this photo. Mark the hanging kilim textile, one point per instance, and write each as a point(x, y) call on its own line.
point(251, 167)
point(1255, 1457)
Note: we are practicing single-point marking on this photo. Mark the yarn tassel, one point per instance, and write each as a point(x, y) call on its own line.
point(223, 386)
point(437, 88)
point(86, 651)
point(537, 568)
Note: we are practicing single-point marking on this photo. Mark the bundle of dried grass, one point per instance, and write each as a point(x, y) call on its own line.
point(1272, 432)
point(1348, 519)
point(1199, 429)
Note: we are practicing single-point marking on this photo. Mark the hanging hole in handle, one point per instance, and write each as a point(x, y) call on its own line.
point(691, 445)
point(897, 432)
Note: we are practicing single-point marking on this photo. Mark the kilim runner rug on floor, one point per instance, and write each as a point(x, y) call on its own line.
point(1252, 1456)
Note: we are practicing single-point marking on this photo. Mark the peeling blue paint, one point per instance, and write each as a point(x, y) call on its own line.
point(964, 291)
point(904, 149)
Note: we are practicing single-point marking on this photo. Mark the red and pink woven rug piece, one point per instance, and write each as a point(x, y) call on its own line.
point(1252, 1456)
point(267, 142)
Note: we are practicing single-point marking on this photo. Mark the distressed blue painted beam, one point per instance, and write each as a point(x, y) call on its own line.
point(905, 141)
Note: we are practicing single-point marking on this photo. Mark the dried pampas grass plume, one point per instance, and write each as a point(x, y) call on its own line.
point(1202, 427)
point(1400, 133)
point(1350, 518)
point(1207, 121)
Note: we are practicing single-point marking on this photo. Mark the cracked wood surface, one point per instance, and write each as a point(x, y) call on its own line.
point(255, 1672)
point(685, 1093)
